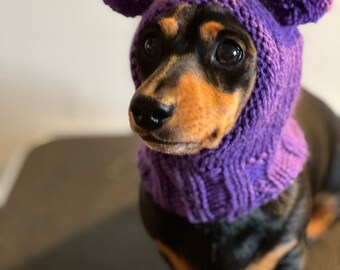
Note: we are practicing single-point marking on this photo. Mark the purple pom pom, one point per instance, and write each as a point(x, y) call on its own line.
point(295, 12)
point(129, 8)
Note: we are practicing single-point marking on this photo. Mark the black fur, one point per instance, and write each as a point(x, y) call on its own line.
point(229, 246)
point(188, 41)
point(234, 246)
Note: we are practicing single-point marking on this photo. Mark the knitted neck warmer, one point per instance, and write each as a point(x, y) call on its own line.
point(266, 150)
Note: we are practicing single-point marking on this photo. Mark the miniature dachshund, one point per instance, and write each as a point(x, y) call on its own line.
point(303, 211)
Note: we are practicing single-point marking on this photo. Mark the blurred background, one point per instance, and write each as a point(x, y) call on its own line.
point(64, 75)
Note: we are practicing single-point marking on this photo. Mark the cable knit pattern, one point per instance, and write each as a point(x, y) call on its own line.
point(266, 150)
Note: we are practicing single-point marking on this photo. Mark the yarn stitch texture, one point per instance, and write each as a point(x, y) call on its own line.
point(266, 150)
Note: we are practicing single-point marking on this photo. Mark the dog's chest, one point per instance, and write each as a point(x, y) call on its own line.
point(218, 245)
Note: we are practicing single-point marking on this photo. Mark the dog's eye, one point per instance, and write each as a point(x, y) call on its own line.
point(152, 46)
point(229, 53)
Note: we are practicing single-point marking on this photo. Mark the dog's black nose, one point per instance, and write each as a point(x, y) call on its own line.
point(148, 113)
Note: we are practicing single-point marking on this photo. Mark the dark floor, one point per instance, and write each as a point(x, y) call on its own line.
point(75, 207)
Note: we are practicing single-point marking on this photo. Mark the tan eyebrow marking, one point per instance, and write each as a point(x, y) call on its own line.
point(169, 27)
point(210, 30)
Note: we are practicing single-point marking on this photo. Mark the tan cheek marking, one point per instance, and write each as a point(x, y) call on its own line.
point(271, 259)
point(203, 108)
point(169, 27)
point(176, 261)
point(210, 30)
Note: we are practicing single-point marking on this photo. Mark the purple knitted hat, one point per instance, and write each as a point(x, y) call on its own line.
point(266, 150)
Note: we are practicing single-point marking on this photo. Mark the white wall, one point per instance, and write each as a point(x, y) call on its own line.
point(64, 67)
point(321, 70)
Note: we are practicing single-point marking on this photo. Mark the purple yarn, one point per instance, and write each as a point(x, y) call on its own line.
point(287, 12)
point(266, 150)
point(220, 184)
point(130, 8)
point(295, 12)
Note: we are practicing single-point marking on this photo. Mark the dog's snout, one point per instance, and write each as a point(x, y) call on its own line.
point(149, 113)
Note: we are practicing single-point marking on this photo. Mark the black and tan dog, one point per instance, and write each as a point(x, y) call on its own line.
point(170, 73)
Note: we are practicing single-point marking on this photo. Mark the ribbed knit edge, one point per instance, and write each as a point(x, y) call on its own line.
point(228, 190)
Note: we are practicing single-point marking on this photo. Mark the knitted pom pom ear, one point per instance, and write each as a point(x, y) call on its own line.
point(295, 12)
point(129, 8)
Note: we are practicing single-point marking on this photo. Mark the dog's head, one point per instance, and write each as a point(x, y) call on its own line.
point(208, 68)
point(198, 69)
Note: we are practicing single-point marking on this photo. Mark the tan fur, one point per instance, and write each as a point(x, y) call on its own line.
point(169, 27)
point(148, 87)
point(176, 261)
point(210, 30)
point(272, 258)
point(201, 108)
point(325, 212)
point(204, 113)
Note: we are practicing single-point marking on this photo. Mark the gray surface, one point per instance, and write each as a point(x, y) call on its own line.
point(75, 207)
